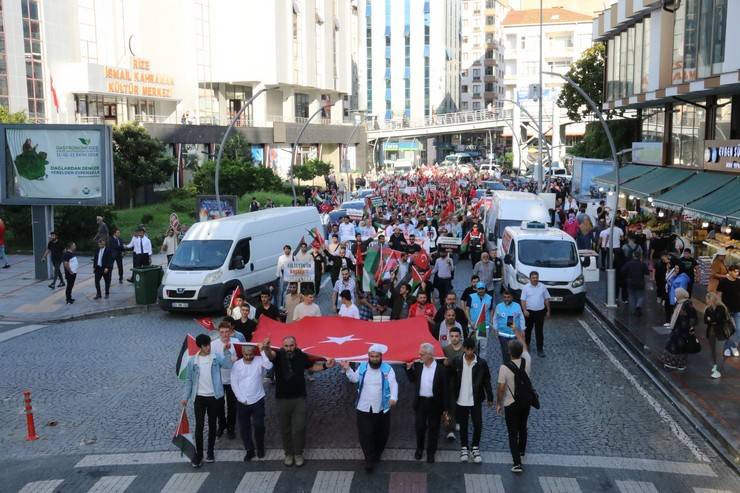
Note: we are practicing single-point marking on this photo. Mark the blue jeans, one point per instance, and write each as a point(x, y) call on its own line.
point(2, 254)
point(504, 342)
point(732, 341)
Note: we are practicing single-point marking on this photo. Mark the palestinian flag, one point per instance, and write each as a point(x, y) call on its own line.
point(318, 239)
point(359, 263)
point(480, 322)
point(465, 245)
point(417, 277)
point(369, 269)
point(188, 351)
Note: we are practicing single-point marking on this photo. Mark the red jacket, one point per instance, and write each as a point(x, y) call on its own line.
point(416, 310)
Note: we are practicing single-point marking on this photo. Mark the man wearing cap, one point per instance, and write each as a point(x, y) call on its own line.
point(478, 309)
point(377, 392)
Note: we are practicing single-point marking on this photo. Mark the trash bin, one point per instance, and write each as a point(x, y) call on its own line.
point(146, 283)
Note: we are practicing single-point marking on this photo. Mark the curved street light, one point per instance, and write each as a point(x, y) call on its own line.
point(223, 142)
point(358, 122)
point(297, 140)
point(611, 277)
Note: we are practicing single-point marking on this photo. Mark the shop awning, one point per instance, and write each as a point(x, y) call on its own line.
point(694, 188)
point(718, 205)
point(734, 219)
point(626, 173)
point(652, 184)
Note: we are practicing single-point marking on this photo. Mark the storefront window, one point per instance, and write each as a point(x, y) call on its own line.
point(653, 124)
point(301, 105)
point(688, 135)
point(698, 39)
point(629, 76)
point(610, 70)
point(623, 46)
point(637, 76)
point(724, 119)
point(645, 54)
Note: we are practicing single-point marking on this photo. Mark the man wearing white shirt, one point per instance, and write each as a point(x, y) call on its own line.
point(227, 411)
point(348, 309)
point(281, 261)
point(606, 242)
point(346, 230)
point(377, 392)
point(141, 247)
point(246, 382)
point(535, 306)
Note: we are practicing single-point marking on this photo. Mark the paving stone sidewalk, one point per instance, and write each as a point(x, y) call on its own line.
point(25, 299)
point(715, 402)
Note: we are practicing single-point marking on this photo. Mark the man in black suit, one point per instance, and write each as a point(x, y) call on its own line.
point(116, 249)
point(430, 391)
point(102, 266)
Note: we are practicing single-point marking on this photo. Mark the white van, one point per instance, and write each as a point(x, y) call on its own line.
point(534, 246)
point(510, 209)
point(216, 256)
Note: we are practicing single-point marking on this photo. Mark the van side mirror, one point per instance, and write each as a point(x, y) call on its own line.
point(491, 237)
point(508, 260)
point(237, 262)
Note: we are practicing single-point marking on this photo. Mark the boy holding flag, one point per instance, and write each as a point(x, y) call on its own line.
point(478, 308)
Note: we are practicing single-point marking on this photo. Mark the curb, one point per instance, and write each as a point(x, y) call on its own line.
point(634, 348)
point(120, 311)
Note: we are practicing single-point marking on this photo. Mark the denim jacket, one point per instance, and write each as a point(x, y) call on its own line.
point(191, 383)
point(385, 368)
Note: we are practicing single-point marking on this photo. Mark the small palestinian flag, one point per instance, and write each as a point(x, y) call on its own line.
point(318, 239)
point(370, 267)
point(417, 277)
point(188, 351)
point(480, 323)
point(465, 245)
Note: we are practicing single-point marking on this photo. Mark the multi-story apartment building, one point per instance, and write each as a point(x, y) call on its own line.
point(566, 35)
point(677, 65)
point(91, 61)
point(412, 58)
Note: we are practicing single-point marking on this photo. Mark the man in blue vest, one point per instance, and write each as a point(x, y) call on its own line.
point(377, 392)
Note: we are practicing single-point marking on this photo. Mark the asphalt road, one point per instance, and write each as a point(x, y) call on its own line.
point(108, 386)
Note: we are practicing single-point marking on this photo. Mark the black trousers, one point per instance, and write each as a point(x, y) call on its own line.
point(227, 414)
point(443, 286)
point(428, 416)
point(373, 430)
point(536, 320)
point(475, 257)
point(70, 284)
point(476, 414)
point(106, 278)
point(203, 406)
point(516, 425)
point(252, 417)
point(141, 260)
point(57, 271)
point(119, 263)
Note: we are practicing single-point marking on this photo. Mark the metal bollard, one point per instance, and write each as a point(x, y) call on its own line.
point(29, 417)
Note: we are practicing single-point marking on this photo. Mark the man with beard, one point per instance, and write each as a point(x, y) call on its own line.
point(290, 395)
point(377, 392)
point(450, 303)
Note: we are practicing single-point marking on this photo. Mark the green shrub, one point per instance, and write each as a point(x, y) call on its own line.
point(75, 223)
point(146, 218)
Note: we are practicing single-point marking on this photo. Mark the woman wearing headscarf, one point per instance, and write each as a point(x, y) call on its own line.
point(682, 323)
point(675, 279)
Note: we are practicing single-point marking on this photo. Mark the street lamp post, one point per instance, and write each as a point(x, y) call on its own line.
point(223, 142)
point(539, 97)
point(538, 129)
point(611, 278)
point(516, 139)
point(358, 122)
point(298, 139)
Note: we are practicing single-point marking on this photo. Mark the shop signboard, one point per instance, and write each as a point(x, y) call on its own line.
point(56, 165)
point(299, 272)
point(722, 155)
point(647, 153)
point(207, 207)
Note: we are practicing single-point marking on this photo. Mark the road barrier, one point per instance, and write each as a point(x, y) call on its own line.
point(31, 435)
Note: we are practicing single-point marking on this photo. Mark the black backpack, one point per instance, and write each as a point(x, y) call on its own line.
point(524, 394)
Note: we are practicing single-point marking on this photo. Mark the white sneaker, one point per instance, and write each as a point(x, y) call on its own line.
point(728, 353)
point(451, 436)
point(464, 454)
point(735, 352)
point(666, 325)
point(476, 455)
point(716, 373)
point(457, 426)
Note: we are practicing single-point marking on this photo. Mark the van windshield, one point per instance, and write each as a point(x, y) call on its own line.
point(548, 253)
point(200, 255)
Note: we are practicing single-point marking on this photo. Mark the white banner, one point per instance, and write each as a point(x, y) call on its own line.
point(56, 164)
point(298, 272)
point(449, 241)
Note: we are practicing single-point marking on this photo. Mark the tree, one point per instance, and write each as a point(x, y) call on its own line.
point(587, 72)
point(507, 161)
point(304, 172)
point(7, 117)
point(595, 144)
point(321, 168)
point(139, 158)
point(237, 148)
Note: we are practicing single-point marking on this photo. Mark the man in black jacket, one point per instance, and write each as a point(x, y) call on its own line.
point(430, 392)
point(102, 266)
point(401, 301)
point(116, 249)
point(472, 382)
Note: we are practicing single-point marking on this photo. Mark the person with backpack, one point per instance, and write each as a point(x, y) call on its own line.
point(515, 396)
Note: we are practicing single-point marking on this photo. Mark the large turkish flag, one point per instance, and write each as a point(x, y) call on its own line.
point(348, 339)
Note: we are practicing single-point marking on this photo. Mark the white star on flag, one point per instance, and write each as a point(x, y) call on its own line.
point(339, 340)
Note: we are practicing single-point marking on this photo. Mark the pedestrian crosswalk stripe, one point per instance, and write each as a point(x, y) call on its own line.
point(483, 483)
point(559, 485)
point(10, 334)
point(636, 487)
point(185, 482)
point(9, 323)
point(258, 482)
point(42, 486)
point(112, 484)
point(332, 482)
point(709, 490)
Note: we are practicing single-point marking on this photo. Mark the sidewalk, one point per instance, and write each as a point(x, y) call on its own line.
point(715, 404)
point(24, 299)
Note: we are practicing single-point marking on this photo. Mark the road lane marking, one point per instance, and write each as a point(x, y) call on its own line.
point(189, 482)
point(10, 334)
point(332, 482)
point(112, 484)
point(483, 483)
point(636, 487)
point(407, 455)
point(42, 486)
point(258, 482)
point(662, 413)
point(559, 485)
point(9, 323)
point(709, 490)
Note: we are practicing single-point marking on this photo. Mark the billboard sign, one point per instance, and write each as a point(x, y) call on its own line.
point(56, 165)
point(585, 170)
point(207, 207)
point(722, 155)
